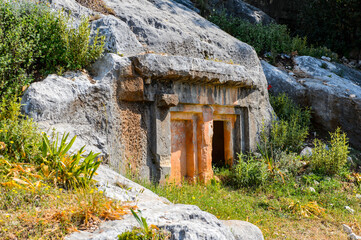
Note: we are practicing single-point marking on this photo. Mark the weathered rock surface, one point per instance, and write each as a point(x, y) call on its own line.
point(281, 81)
point(332, 91)
point(243, 230)
point(241, 9)
point(164, 26)
point(183, 221)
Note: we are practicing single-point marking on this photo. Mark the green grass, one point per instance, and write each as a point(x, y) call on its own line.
point(278, 208)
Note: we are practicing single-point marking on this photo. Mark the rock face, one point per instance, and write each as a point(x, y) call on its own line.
point(183, 221)
point(241, 9)
point(243, 230)
point(332, 91)
point(165, 84)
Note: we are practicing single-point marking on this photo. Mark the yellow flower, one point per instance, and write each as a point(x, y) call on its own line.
point(11, 142)
point(6, 130)
point(100, 192)
point(58, 196)
point(193, 198)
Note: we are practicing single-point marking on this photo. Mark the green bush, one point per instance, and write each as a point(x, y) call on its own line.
point(67, 170)
point(249, 172)
point(19, 136)
point(289, 164)
point(35, 41)
point(273, 38)
point(330, 160)
point(291, 129)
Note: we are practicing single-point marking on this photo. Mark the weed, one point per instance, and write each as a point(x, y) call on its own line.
point(330, 160)
point(68, 171)
point(249, 172)
point(20, 140)
point(291, 130)
point(51, 213)
point(145, 232)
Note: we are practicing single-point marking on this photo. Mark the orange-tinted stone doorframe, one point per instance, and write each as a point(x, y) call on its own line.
point(193, 126)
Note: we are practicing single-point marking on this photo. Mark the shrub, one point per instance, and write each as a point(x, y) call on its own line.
point(19, 136)
point(289, 163)
point(330, 160)
point(35, 41)
point(249, 172)
point(273, 38)
point(291, 129)
point(67, 170)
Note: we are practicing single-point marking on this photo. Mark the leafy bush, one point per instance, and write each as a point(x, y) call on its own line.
point(289, 164)
point(291, 129)
point(19, 136)
point(330, 160)
point(35, 41)
point(249, 172)
point(66, 170)
point(273, 38)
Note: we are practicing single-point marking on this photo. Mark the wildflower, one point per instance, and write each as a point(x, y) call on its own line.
point(269, 87)
point(11, 142)
point(57, 196)
point(193, 197)
point(100, 192)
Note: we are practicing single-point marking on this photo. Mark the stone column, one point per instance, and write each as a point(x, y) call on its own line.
point(204, 140)
point(162, 136)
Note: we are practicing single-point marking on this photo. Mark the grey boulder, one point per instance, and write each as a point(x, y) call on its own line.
point(243, 230)
point(332, 91)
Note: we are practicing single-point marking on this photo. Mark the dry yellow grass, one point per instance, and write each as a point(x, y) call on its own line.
point(97, 6)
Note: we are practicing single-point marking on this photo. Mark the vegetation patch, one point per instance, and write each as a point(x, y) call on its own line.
point(45, 191)
point(36, 41)
point(272, 39)
point(144, 232)
point(287, 195)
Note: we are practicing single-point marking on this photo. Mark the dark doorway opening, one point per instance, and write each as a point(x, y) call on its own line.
point(218, 159)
